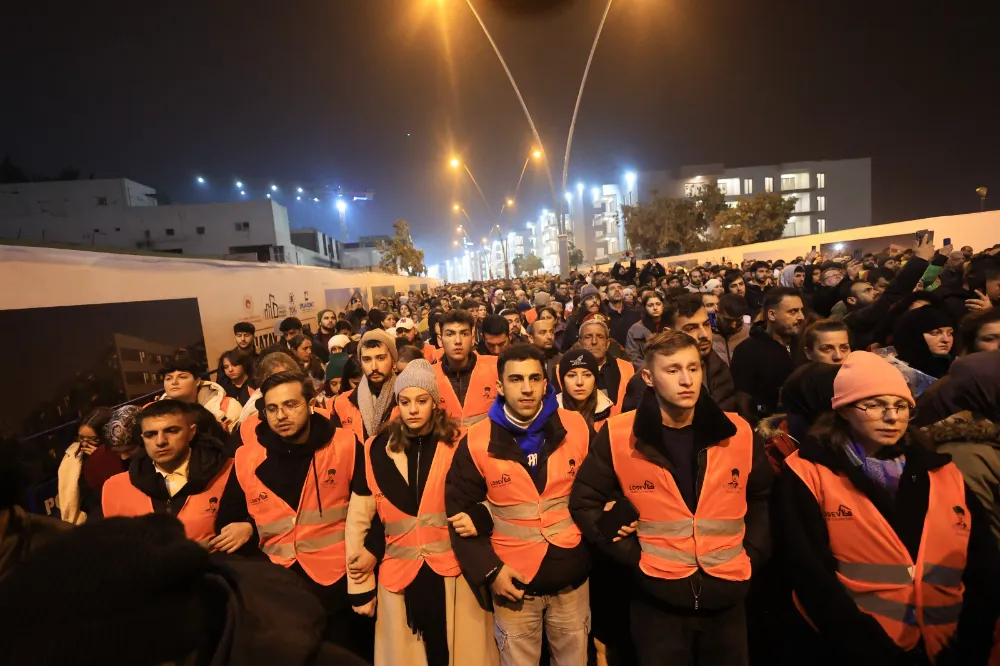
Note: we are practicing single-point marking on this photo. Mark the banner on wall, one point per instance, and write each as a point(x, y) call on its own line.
point(342, 300)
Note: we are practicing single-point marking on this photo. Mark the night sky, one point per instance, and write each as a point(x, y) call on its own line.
point(379, 93)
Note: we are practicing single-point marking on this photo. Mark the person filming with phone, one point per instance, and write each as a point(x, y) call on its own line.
point(689, 487)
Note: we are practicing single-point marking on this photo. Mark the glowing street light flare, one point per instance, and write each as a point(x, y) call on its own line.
point(239, 184)
point(456, 208)
point(268, 195)
point(315, 199)
point(274, 188)
point(201, 181)
point(341, 205)
point(537, 154)
point(300, 190)
point(510, 202)
point(579, 188)
point(243, 193)
point(630, 179)
point(455, 163)
point(596, 192)
point(569, 198)
point(298, 198)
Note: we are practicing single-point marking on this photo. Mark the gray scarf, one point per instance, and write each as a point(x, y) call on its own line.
point(373, 409)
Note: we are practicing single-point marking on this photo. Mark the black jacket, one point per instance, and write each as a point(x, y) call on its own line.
point(863, 322)
point(207, 459)
point(465, 489)
point(755, 298)
point(760, 366)
point(622, 274)
point(718, 381)
point(651, 269)
point(855, 637)
point(596, 484)
point(620, 322)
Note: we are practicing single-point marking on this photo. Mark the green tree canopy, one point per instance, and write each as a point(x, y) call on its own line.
point(668, 225)
point(755, 219)
point(398, 253)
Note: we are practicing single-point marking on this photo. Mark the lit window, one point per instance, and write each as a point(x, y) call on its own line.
point(820, 203)
point(820, 180)
point(769, 184)
point(821, 225)
point(788, 182)
point(748, 186)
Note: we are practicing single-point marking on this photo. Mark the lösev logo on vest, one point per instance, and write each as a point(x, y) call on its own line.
point(843, 512)
point(260, 498)
point(502, 481)
point(644, 487)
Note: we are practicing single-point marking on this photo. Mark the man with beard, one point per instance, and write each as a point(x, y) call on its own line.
point(763, 361)
point(697, 281)
point(367, 408)
point(296, 476)
point(185, 473)
point(513, 318)
point(245, 332)
point(731, 326)
point(620, 317)
point(327, 320)
point(543, 336)
point(756, 289)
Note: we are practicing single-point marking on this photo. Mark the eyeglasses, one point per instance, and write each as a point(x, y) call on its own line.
point(89, 440)
point(289, 407)
point(878, 411)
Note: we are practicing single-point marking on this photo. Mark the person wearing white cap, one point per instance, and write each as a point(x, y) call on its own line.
point(427, 613)
point(337, 343)
point(406, 334)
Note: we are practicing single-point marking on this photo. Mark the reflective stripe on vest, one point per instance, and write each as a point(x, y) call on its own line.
point(675, 543)
point(910, 600)
point(120, 498)
point(478, 399)
point(524, 521)
point(314, 535)
point(412, 540)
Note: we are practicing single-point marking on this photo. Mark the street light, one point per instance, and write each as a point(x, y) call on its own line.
point(579, 189)
point(510, 202)
point(300, 190)
point(455, 163)
point(537, 154)
point(274, 188)
point(243, 193)
point(201, 181)
point(239, 185)
point(341, 205)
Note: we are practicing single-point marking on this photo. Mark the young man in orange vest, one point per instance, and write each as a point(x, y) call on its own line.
point(370, 406)
point(695, 521)
point(466, 381)
point(517, 467)
point(296, 478)
point(185, 473)
point(613, 373)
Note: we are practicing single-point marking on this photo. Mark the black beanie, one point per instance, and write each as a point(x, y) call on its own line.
point(117, 591)
point(576, 358)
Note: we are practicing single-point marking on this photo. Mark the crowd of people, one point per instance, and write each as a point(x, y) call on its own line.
point(778, 462)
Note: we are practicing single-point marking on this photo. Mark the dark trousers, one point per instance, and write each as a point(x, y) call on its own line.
point(344, 627)
point(668, 636)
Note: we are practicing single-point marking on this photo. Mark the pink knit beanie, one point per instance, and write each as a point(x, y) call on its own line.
point(865, 375)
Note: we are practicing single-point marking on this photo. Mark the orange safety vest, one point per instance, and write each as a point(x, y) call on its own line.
point(626, 371)
point(429, 352)
point(350, 416)
point(313, 536)
point(478, 399)
point(530, 316)
point(524, 521)
point(910, 600)
point(120, 498)
point(412, 540)
point(675, 542)
point(438, 354)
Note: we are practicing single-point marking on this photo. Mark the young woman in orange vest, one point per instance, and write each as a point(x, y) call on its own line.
point(614, 373)
point(578, 379)
point(182, 381)
point(888, 552)
point(467, 381)
point(184, 473)
point(296, 478)
point(427, 613)
point(689, 518)
point(365, 409)
point(521, 462)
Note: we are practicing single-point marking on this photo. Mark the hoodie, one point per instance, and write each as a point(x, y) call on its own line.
point(213, 397)
point(530, 439)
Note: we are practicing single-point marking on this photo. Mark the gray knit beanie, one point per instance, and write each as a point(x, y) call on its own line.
point(378, 335)
point(417, 374)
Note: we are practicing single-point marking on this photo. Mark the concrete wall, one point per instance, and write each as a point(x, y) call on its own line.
point(980, 230)
point(227, 291)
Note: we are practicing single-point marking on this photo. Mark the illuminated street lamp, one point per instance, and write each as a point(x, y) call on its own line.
point(510, 202)
point(201, 181)
point(341, 205)
point(274, 188)
point(537, 154)
point(300, 190)
point(455, 163)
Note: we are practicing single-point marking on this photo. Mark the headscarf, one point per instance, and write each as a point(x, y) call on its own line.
point(787, 273)
point(911, 347)
point(972, 383)
point(119, 431)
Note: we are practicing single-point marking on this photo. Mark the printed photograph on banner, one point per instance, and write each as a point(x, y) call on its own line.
point(342, 300)
point(386, 291)
point(72, 359)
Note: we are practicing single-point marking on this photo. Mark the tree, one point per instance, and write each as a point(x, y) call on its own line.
point(575, 255)
point(398, 253)
point(668, 225)
point(531, 263)
point(753, 220)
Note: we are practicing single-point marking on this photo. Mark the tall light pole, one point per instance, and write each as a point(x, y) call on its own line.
point(563, 237)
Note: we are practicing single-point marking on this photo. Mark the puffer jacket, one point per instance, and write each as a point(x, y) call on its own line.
point(974, 447)
point(213, 397)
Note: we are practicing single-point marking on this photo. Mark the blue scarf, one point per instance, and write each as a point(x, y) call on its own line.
point(530, 439)
point(885, 473)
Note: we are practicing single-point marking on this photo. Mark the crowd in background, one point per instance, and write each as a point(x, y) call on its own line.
point(772, 462)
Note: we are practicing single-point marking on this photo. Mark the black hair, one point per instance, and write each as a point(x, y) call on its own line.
point(773, 297)
point(352, 370)
point(409, 353)
point(181, 363)
point(682, 306)
point(981, 270)
point(279, 378)
point(163, 407)
point(96, 419)
point(343, 325)
point(520, 352)
point(972, 322)
point(495, 325)
point(733, 306)
point(297, 341)
point(240, 358)
point(290, 324)
point(457, 316)
point(244, 327)
point(755, 266)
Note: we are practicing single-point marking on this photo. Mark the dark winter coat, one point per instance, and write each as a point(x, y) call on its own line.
point(863, 322)
point(847, 634)
point(760, 366)
point(622, 274)
point(718, 382)
point(596, 484)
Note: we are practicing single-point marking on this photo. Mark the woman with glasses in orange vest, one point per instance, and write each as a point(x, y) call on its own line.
point(427, 613)
point(888, 552)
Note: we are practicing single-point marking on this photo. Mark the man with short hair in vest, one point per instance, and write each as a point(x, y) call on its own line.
point(296, 476)
point(181, 472)
point(512, 474)
point(691, 513)
point(467, 381)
